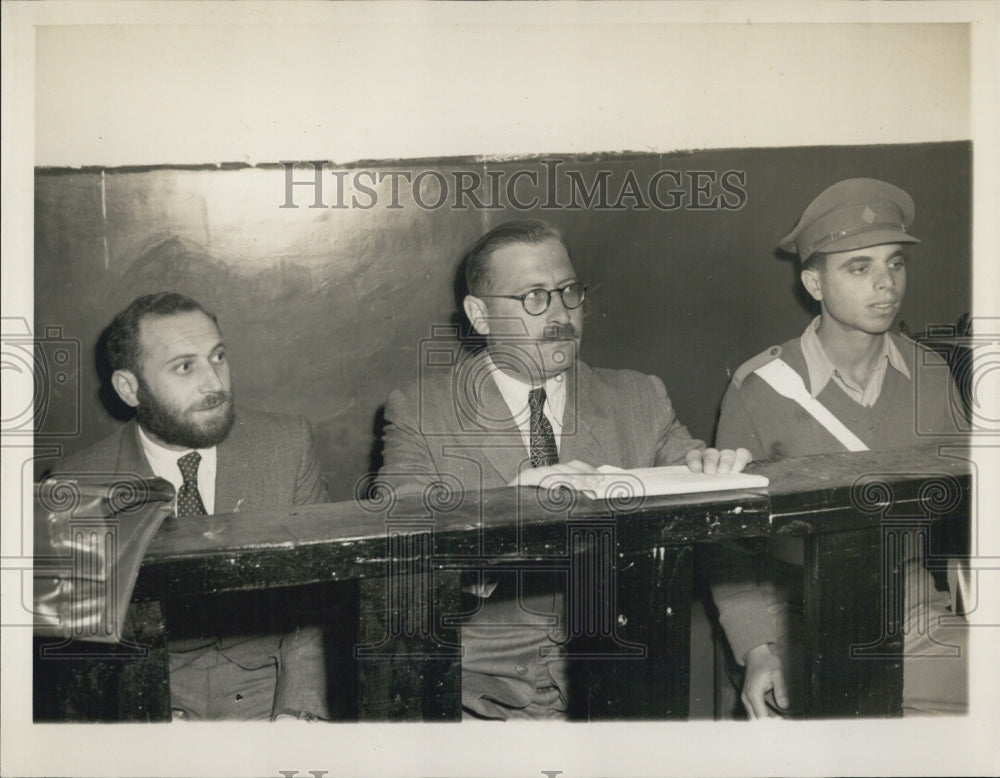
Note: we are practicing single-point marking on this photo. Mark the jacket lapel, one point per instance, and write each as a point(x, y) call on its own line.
point(131, 458)
point(501, 443)
point(585, 424)
point(502, 446)
point(233, 469)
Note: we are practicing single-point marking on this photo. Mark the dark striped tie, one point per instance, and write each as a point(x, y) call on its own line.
point(543, 442)
point(188, 497)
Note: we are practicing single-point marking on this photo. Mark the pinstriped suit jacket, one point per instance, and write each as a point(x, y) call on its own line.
point(454, 426)
point(457, 424)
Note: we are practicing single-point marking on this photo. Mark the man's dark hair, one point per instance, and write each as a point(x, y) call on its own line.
point(478, 273)
point(816, 261)
point(122, 335)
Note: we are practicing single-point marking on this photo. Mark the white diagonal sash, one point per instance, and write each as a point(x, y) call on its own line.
point(788, 383)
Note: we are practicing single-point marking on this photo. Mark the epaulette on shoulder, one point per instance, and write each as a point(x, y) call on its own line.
point(768, 355)
point(910, 348)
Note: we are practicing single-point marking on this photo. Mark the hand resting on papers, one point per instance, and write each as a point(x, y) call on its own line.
point(712, 460)
point(710, 470)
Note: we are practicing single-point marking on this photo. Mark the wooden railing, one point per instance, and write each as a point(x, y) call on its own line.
point(628, 565)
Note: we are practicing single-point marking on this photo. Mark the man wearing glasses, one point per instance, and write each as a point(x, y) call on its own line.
point(526, 401)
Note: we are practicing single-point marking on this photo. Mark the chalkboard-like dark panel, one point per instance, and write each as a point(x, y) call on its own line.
point(324, 309)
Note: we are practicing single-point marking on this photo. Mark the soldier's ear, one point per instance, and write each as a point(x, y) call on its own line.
point(475, 310)
point(127, 386)
point(810, 280)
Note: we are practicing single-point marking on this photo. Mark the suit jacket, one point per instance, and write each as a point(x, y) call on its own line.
point(267, 462)
point(453, 425)
point(456, 423)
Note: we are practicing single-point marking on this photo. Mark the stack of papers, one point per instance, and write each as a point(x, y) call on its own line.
point(609, 482)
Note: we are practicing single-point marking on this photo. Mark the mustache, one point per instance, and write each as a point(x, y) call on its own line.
point(559, 332)
point(212, 400)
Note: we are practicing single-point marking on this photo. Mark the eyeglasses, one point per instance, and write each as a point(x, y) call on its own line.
point(536, 301)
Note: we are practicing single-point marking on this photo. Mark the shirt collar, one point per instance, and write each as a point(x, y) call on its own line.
point(896, 359)
point(515, 394)
point(163, 460)
point(820, 367)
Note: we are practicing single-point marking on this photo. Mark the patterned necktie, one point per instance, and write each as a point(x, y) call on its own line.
point(188, 498)
point(543, 442)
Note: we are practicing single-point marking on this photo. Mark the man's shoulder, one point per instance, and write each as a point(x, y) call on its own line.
point(612, 379)
point(789, 349)
point(622, 392)
point(441, 377)
point(444, 374)
point(470, 370)
point(104, 456)
point(913, 350)
point(257, 418)
point(265, 425)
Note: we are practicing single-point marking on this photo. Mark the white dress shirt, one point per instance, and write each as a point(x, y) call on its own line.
point(164, 464)
point(822, 370)
point(515, 394)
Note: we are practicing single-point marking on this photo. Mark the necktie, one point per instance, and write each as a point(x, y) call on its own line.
point(188, 498)
point(543, 442)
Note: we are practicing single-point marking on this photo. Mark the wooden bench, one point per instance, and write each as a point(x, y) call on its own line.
point(628, 565)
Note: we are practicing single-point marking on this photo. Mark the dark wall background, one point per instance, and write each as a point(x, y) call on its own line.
point(323, 309)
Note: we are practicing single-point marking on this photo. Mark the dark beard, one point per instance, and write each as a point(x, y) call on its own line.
point(173, 429)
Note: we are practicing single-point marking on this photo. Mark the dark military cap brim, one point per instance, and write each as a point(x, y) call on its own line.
point(852, 214)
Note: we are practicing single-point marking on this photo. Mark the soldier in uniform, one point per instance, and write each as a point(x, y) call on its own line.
point(847, 384)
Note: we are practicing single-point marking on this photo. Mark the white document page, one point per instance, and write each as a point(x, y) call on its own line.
point(614, 482)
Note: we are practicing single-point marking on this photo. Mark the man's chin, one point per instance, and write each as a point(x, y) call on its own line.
point(554, 357)
point(214, 429)
point(877, 326)
point(557, 365)
point(560, 356)
point(536, 360)
point(195, 429)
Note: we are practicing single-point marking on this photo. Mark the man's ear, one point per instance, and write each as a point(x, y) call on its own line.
point(475, 310)
point(127, 386)
point(810, 280)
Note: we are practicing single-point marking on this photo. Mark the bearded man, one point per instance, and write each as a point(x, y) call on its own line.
point(230, 655)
